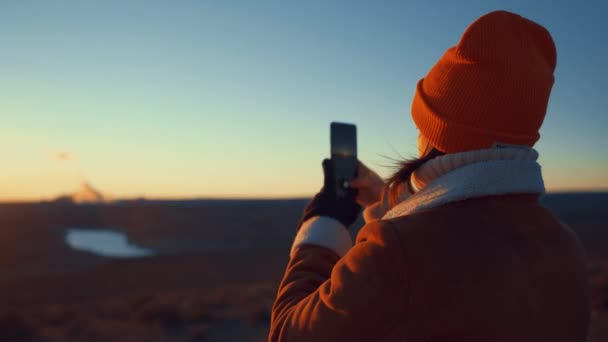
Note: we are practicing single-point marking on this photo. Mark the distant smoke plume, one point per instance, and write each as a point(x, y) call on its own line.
point(88, 194)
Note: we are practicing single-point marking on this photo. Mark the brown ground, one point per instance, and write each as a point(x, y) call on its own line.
point(219, 287)
point(214, 280)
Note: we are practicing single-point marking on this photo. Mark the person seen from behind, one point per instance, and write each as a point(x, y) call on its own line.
point(456, 245)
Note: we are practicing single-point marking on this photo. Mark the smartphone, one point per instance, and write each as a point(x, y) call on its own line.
point(343, 156)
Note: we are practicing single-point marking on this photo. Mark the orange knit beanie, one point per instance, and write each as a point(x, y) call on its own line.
point(493, 87)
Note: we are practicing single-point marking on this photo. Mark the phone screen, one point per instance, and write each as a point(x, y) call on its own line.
point(343, 155)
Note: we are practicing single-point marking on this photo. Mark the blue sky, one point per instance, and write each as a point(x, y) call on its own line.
point(234, 98)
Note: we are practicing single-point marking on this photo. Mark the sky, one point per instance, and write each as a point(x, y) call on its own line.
point(183, 99)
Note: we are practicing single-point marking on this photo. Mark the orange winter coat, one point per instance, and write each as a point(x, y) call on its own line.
point(497, 268)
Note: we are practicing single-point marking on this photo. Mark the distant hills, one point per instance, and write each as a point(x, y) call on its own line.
point(86, 194)
point(568, 203)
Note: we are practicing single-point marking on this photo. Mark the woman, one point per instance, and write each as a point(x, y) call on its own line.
point(459, 249)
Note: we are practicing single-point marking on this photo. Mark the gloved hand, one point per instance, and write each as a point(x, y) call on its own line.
point(326, 203)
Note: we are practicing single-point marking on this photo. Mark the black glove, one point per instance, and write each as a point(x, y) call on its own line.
point(326, 203)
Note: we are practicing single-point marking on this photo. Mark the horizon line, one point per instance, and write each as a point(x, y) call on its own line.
point(236, 198)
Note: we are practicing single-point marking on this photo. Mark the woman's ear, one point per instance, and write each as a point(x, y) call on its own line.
point(424, 147)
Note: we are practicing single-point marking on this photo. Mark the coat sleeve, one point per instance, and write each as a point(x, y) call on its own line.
point(359, 297)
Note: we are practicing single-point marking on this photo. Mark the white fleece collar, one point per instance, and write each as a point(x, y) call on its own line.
point(441, 165)
point(486, 178)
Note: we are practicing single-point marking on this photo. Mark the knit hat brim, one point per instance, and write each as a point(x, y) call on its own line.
point(450, 137)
